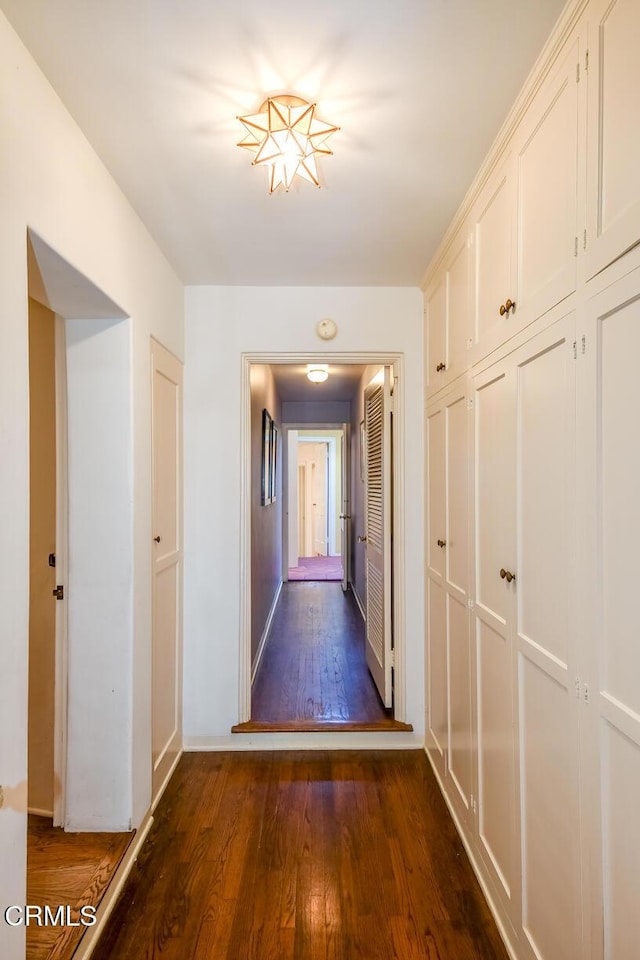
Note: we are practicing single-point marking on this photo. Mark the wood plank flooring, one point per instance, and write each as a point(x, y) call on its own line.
point(314, 673)
point(66, 868)
point(302, 856)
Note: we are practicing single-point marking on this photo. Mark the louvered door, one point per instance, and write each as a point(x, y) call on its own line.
point(378, 535)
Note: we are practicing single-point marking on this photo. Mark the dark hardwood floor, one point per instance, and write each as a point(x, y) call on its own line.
point(314, 673)
point(302, 856)
point(66, 868)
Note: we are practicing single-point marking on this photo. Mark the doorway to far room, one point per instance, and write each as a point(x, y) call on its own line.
point(315, 498)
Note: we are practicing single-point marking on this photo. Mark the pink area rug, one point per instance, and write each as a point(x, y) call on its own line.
point(317, 568)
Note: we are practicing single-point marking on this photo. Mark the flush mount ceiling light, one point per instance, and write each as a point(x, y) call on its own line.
point(317, 372)
point(286, 138)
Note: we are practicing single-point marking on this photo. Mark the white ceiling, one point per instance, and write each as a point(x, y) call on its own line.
point(419, 89)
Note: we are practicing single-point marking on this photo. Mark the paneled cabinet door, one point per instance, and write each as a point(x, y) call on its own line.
point(447, 311)
point(613, 200)
point(546, 645)
point(528, 739)
point(493, 253)
point(449, 711)
point(546, 146)
point(611, 459)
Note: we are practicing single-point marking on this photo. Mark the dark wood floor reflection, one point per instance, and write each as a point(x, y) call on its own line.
point(66, 868)
point(301, 856)
point(314, 670)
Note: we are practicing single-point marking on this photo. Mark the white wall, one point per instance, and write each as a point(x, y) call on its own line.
point(222, 323)
point(52, 181)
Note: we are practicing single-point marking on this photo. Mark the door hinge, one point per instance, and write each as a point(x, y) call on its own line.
point(52, 559)
point(577, 687)
point(575, 247)
point(470, 403)
point(393, 657)
point(585, 691)
point(584, 240)
point(470, 604)
point(584, 343)
point(473, 804)
point(586, 61)
point(577, 73)
point(575, 350)
point(58, 592)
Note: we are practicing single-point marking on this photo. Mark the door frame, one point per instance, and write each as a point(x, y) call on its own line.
point(61, 676)
point(396, 362)
point(331, 484)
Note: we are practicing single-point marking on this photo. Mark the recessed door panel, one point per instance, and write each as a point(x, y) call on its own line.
point(614, 118)
point(436, 318)
point(547, 182)
point(621, 843)
point(550, 811)
point(460, 728)
point(620, 521)
point(494, 494)
point(494, 257)
point(545, 493)
point(458, 303)
point(437, 665)
point(496, 769)
point(436, 524)
point(456, 534)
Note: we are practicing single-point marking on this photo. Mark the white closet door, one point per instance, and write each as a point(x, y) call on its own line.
point(611, 365)
point(546, 645)
point(493, 626)
point(166, 393)
point(461, 746)
point(548, 192)
point(613, 156)
point(378, 536)
point(437, 722)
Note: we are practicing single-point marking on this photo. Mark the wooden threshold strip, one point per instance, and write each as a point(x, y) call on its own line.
point(321, 726)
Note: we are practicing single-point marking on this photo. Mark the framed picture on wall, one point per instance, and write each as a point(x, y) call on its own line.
point(274, 462)
point(267, 425)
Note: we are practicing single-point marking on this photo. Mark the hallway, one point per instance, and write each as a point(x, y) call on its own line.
point(296, 856)
point(314, 669)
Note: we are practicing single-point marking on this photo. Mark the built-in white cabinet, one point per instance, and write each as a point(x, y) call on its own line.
point(546, 147)
point(493, 236)
point(609, 465)
point(526, 658)
point(613, 155)
point(449, 721)
point(447, 317)
point(532, 648)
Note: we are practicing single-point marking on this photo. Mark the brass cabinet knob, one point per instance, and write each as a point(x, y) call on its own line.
point(507, 575)
point(503, 309)
point(441, 366)
point(441, 543)
point(157, 539)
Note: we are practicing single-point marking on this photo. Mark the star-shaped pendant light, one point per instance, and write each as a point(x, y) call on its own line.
point(286, 137)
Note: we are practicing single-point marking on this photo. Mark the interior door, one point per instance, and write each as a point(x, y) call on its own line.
point(167, 561)
point(345, 513)
point(378, 529)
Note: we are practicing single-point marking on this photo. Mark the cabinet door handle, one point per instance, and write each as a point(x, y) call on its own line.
point(441, 543)
point(441, 366)
point(506, 307)
point(507, 575)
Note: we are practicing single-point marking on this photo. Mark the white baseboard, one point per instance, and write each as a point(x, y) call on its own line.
point(158, 797)
point(502, 925)
point(358, 600)
point(38, 812)
point(92, 934)
point(265, 633)
point(346, 740)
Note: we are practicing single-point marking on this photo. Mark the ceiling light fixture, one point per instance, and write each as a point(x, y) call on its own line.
point(286, 137)
point(317, 372)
